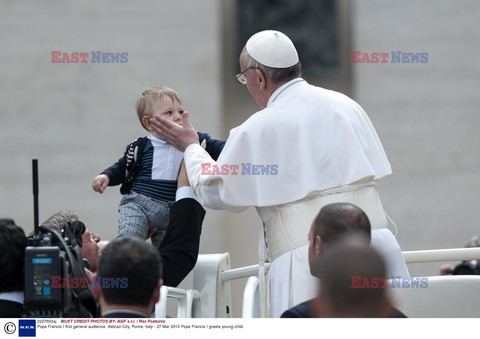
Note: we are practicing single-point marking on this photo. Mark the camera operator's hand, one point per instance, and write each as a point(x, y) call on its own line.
point(100, 182)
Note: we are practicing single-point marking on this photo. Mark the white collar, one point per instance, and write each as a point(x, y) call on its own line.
point(155, 139)
point(17, 297)
point(282, 88)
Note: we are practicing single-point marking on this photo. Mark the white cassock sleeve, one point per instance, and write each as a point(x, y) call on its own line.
point(207, 188)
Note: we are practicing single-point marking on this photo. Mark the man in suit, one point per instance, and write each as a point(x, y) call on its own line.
point(333, 223)
point(12, 256)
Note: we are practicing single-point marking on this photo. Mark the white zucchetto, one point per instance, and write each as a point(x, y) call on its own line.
point(272, 49)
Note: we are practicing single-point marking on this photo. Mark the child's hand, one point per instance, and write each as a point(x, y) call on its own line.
point(100, 182)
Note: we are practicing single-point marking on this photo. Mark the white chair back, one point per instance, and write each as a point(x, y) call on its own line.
point(445, 297)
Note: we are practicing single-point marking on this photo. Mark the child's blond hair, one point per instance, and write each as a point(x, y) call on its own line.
point(152, 95)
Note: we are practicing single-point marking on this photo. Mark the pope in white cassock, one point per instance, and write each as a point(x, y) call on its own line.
point(315, 146)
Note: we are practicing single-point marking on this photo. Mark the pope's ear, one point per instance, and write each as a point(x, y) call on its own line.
point(260, 77)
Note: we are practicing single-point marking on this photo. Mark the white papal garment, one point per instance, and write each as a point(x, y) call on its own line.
point(309, 147)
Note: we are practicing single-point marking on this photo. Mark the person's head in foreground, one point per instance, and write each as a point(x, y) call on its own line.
point(341, 265)
point(135, 268)
point(12, 256)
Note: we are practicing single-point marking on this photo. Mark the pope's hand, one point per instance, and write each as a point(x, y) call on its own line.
point(180, 136)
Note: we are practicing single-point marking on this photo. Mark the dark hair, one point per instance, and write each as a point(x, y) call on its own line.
point(338, 219)
point(12, 255)
point(136, 260)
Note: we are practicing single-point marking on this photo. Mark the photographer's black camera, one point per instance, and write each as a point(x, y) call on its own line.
point(49, 255)
point(471, 267)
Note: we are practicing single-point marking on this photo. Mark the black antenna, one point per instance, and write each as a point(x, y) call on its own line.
point(35, 196)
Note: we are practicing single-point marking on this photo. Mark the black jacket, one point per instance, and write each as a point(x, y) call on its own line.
point(10, 309)
point(179, 249)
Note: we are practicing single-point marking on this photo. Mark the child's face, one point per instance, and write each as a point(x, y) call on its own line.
point(167, 109)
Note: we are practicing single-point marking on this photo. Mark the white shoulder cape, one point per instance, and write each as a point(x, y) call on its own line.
point(307, 139)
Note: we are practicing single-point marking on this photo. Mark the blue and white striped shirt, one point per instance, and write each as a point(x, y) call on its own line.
point(158, 170)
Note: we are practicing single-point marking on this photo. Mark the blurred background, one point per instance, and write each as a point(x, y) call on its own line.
point(77, 118)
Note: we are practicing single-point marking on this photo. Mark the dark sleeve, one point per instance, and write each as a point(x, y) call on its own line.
point(179, 249)
point(212, 146)
point(291, 313)
point(302, 310)
point(116, 172)
point(398, 314)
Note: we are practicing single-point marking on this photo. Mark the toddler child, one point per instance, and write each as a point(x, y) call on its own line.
point(149, 168)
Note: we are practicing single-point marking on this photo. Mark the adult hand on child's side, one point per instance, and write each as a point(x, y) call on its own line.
point(182, 176)
point(100, 182)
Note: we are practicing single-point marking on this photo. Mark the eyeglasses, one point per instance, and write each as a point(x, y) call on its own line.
point(241, 77)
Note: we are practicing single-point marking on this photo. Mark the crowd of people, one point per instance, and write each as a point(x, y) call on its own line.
point(327, 158)
point(338, 249)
